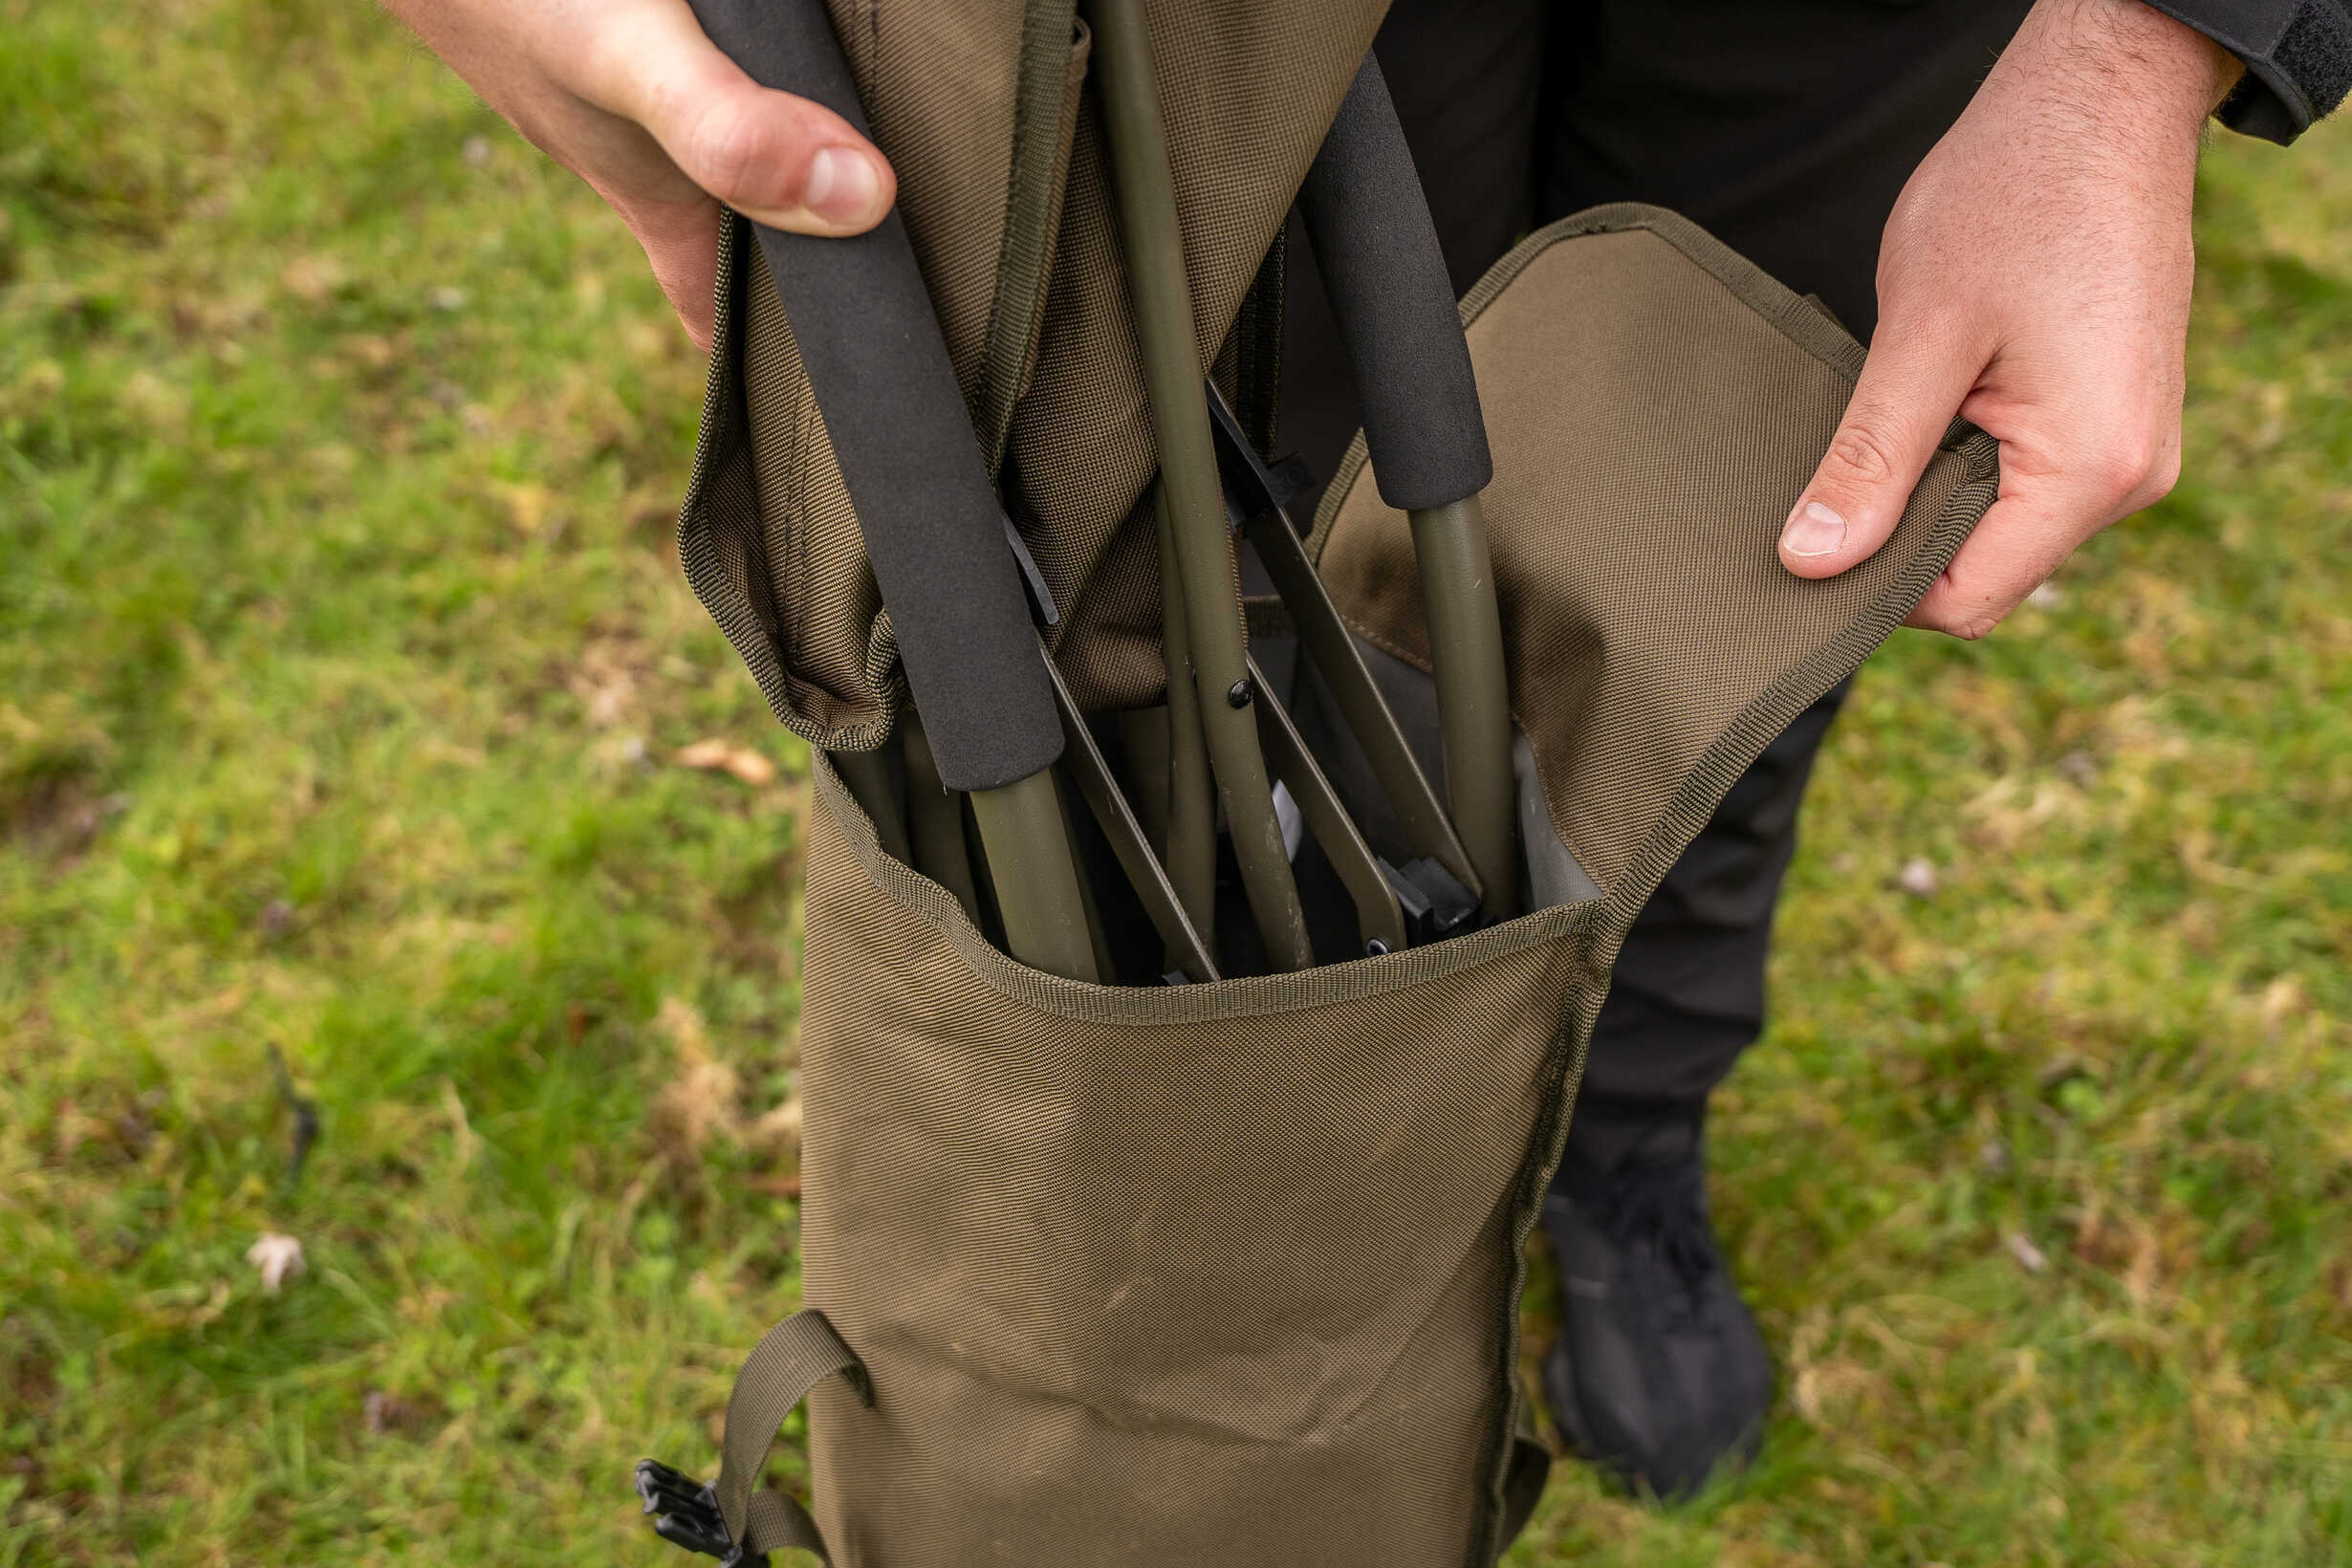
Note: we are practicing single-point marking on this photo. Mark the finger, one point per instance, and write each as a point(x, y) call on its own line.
point(2062, 480)
point(2042, 517)
point(2020, 543)
point(777, 158)
point(1910, 386)
point(681, 245)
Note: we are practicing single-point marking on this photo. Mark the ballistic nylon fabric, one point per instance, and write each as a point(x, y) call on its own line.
point(830, 637)
point(1202, 1275)
point(900, 422)
point(779, 561)
point(750, 582)
point(1246, 91)
point(1656, 405)
point(1033, 308)
point(940, 87)
point(1228, 1273)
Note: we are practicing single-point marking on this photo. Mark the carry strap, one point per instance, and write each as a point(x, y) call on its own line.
point(728, 1519)
point(790, 1359)
point(1523, 1481)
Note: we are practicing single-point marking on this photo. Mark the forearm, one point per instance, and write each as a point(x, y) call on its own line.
point(2121, 56)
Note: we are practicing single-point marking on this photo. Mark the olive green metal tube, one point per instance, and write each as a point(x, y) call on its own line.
point(1027, 843)
point(1191, 844)
point(1379, 921)
point(1154, 247)
point(1331, 649)
point(1142, 747)
point(935, 819)
point(1473, 696)
point(1097, 934)
point(868, 777)
point(1091, 772)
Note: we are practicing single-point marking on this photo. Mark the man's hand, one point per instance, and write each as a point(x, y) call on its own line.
point(631, 97)
point(2033, 278)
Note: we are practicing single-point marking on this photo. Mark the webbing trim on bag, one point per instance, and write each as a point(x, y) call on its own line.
point(791, 1359)
point(1032, 212)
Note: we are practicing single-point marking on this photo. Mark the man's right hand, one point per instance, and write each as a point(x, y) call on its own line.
point(630, 95)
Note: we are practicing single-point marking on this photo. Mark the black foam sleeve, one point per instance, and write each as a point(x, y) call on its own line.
point(932, 524)
point(1377, 250)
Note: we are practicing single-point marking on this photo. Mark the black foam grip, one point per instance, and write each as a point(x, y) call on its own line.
point(932, 524)
point(1377, 252)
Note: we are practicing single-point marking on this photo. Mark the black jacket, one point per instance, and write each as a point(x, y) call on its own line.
point(2297, 55)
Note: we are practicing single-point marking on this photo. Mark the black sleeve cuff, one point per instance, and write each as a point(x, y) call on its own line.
point(2297, 55)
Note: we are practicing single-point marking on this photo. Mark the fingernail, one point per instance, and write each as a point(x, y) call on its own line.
point(1814, 530)
point(842, 186)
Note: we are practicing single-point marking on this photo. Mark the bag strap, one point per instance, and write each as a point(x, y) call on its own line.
point(1523, 1481)
point(728, 1519)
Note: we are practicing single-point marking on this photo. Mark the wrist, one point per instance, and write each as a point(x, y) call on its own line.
point(2124, 57)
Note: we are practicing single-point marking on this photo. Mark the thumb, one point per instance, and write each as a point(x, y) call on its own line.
point(1911, 388)
point(776, 159)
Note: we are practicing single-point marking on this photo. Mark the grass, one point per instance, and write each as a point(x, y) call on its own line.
point(344, 662)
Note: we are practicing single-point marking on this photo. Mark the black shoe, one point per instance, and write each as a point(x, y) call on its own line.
point(1659, 1375)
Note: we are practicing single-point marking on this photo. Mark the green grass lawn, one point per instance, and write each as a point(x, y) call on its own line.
point(344, 667)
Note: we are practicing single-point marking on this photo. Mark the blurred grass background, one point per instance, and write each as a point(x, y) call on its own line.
point(345, 669)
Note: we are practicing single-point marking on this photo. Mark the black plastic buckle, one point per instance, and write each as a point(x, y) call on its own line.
point(1435, 906)
point(686, 1513)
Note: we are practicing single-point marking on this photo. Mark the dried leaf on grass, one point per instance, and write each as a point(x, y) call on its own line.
point(385, 1413)
point(702, 1100)
point(276, 1256)
point(464, 1140)
point(699, 1099)
point(312, 279)
point(777, 1129)
point(718, 755)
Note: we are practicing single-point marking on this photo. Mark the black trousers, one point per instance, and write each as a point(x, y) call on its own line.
point(1787, 129)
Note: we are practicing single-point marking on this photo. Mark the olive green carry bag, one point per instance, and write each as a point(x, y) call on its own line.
point(1227, 1273)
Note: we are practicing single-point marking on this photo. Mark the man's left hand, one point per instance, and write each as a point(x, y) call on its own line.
point(2034, 280)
